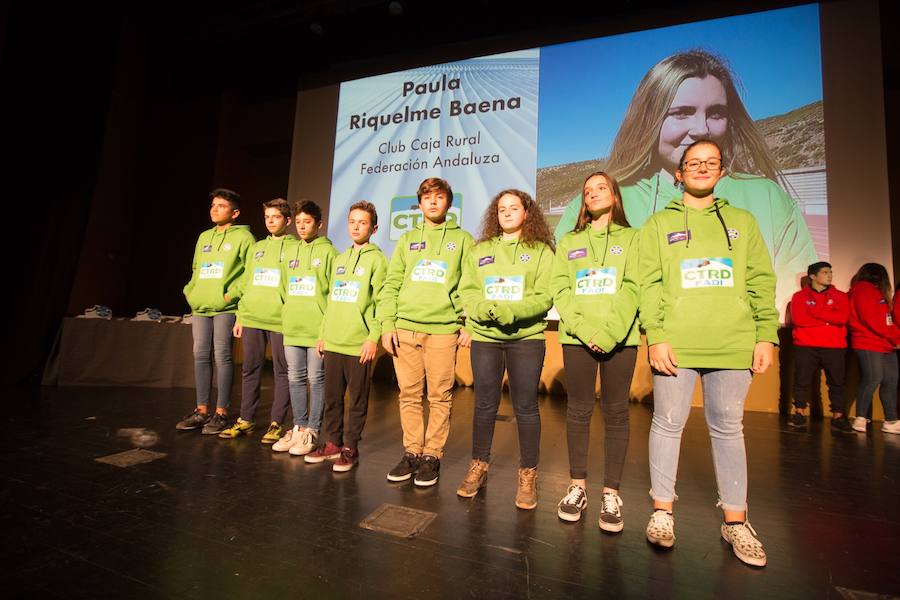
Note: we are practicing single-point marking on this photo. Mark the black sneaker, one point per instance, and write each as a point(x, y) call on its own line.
point(215, 425)
point(797, 420)
point(841, 425)
point(429, 471)
point(572, 504)
point(408, 465)
point(195, 420)
point(611, 513)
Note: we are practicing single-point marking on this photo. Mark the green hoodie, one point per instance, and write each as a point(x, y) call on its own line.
point(356, 280)
point(592, 289)
point(217, 269)
point(304, 289)
point(707, 286)
point(780, 220)
point(505, 290)
point(260, 306)
point(421, 289)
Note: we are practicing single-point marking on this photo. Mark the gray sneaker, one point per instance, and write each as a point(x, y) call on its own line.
point(195, 420)
point(215, 425)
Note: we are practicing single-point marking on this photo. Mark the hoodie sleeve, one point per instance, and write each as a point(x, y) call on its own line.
point(838, 313)
point(455, 298)
point(537, 300)
point(236, 289)
point(470, 290)
point(624, 305)
point(386, 307)
point(801, 313)
point(561, 286)
point(195, 271)
point(379, 274)
point(760, 282)
point(649, 279)
point(873, 312)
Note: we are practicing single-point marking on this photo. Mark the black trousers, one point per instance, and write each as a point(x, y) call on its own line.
point(807, 361)
point(253, 346)
point(343, 373)
point(616, 370)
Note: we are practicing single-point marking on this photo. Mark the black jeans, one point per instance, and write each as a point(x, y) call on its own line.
point(343, 373)
point(807, 362)
point(616, 371)
point(524, 360)
point(253, 347)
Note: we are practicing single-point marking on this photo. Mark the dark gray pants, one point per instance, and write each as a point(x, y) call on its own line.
point(253, 345)
point(343, 373)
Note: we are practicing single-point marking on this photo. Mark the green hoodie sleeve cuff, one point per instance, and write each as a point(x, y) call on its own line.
point(388, 327)
point(604, 340)
point(585, 332)
point(655, 336)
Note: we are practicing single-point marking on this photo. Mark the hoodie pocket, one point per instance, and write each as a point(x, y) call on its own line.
point(709, 322)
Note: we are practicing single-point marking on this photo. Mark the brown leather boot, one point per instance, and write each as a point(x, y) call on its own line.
point(526, 495)
point(475, 479)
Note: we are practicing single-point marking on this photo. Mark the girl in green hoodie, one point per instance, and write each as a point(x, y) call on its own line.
point(707, 305)
point(597, 299)
point(504, 291)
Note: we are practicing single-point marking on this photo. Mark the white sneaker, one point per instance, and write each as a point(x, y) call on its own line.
point(744, 542)
point(859, 424)
point(661, 529)
point(287, 440)
point(305, 443)
point(891, 427)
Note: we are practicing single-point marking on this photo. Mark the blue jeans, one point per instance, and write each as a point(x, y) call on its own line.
point(877, 368)
point(724, 393)
point(304, 364)
point(213, 334)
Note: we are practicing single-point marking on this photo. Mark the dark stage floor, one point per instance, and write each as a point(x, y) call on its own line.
point(231, 519)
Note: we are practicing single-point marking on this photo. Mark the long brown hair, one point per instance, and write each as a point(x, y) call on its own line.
point(534, 229)
point(877, 275)
point(634, 150)
point(617, 212)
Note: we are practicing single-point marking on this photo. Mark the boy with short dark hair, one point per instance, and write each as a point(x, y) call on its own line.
point(421, 318)
point(349, 338)
point(304, 289)
point(220, 255)
point(259, 322)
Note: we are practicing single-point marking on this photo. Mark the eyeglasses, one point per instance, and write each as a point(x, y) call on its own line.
point(712, 164)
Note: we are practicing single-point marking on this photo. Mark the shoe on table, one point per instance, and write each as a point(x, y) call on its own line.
point(859, 424)
point(429, 471)
point(287, 440)
point(661, 528)
point(273, 434)
point(475, 478)
point(405, 469)
point(797, 420)
point(240, 427)
point(891, 426)
point(611, 513)
point(572, 504)
point(841, 425)
point(327, 452)
point(305, 443)
point(744, 542)
point(195, 420)
point(526, 493)
point(215, 425)
point(348, 459)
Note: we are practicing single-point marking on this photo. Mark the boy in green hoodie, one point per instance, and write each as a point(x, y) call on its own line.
point(259, 322)
point(420, 314)
point(708, 305)
point(304, 289)
point(348, 338)
point(213, 293)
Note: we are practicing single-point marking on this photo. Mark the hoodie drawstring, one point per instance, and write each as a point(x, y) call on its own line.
point(724, 227)
point(687, 232)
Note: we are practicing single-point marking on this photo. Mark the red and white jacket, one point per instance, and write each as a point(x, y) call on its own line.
point(871, 324)
point(820, 318)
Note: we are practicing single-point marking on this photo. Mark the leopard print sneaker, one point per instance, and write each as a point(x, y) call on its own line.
point(744, 542)
point(661, 529)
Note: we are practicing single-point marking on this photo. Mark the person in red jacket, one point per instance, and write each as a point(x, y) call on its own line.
point(873, 337)
point(819, 314)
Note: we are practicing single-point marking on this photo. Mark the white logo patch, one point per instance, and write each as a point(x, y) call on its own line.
point(226, 246)
point(212, 270)
point(451, 246)
point(508, 288)
point(302, 286)
point(265, 277)
point(432, 271)
point(345, 291)
point(316, 262)
point(617, 249)
point(733, 233)
point(360, 271)
point(524, 257)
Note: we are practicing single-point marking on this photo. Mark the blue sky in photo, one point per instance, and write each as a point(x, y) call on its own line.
point(585, 86)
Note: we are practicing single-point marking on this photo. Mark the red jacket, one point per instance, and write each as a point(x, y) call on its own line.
point(820, 318)
point(871, 325)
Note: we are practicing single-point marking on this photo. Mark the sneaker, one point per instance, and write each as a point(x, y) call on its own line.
point(841, 425)
point(240, 427)
point(744, 542)
point(797, 420)
point(429, 471)
point(307, 442)
point(859, 424)
point(891, 426)
point(195, 420)
point(408, 465)
point(572, 504)
point(526, 494)
point(348, 459)
point(611, 513)
point(661, 528)
point(475, 479)
point(327, 452)
point(273, 434)
point(215, 425)
point(287, 440)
